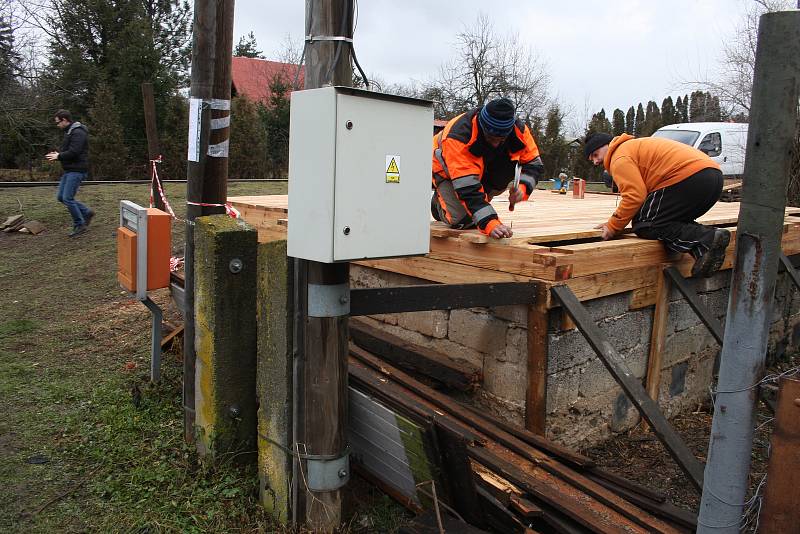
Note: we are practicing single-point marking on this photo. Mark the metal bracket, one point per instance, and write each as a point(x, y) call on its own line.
point(328, 475)
point(328, 300)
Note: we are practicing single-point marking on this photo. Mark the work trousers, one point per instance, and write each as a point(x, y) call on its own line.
point(669, 214)
point(448, 208)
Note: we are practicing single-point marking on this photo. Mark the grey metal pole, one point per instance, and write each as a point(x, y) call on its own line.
point(155, 340)
point(773, 115)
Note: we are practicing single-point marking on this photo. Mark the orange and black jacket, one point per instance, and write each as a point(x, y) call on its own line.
point(478, 170)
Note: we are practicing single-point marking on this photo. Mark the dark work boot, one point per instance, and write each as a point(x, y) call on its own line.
point(709, 262)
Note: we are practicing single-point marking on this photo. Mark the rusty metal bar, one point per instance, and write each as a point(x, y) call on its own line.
point(781, 509)
point(773, 119)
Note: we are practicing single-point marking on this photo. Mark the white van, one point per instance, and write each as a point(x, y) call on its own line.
point(724, 142)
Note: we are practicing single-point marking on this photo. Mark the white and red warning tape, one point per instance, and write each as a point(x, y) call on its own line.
point(229, 209)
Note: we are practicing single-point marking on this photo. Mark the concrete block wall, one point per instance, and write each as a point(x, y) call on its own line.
point(584, 403)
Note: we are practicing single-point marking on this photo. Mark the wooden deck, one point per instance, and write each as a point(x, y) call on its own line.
point(554, 241)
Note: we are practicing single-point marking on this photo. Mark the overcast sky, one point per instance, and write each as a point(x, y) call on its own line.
point(599, 53)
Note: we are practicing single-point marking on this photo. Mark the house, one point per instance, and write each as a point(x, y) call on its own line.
point(252, 77)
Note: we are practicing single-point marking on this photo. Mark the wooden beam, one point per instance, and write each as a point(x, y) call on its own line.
point(375, 301)
point(632, 387)
point(408, 356)
point(657, 335)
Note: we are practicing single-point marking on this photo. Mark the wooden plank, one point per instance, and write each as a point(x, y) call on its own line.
point(781, 511)
point(657, 336)
point(379, 300)
point(563, 454)
point(459, 375)
point(444, 272)
point(561, 479)
point(457, 471)
point(632, 387)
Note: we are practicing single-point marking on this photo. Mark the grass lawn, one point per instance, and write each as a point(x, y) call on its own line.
point(77, 454)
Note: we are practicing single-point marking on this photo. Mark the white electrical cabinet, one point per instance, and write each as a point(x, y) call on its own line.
point(359, 175)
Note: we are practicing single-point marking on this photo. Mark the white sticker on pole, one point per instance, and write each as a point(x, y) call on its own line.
point(195, 116)
point(392, 169)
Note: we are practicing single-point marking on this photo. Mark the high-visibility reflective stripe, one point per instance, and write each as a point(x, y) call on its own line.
point(438, 154)
point(527, 180)
point(466, 181)
point(482, 213)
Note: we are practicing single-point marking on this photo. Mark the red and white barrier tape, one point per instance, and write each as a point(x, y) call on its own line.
point(229, 209)
point(175, 263)
point(154, 177)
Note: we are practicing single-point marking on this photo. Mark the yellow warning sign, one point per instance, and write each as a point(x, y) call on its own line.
point(392, 169)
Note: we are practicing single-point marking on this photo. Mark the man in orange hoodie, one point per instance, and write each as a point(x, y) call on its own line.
point(664, 186)
point(474, 159)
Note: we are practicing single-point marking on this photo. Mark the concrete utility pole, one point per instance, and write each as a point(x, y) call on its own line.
point(773, 118)
point(207, 170)
point(151, 129)
point(321, 292)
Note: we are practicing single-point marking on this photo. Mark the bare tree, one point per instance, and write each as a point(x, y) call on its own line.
point(489, 65)
point(734, 81)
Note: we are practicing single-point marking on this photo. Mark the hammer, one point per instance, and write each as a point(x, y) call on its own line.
point(515, 186)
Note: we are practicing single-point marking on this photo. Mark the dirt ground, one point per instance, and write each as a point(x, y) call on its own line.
point(639, 456)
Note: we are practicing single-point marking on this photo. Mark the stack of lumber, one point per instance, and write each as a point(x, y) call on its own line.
point(406, 437)
point(18, 223)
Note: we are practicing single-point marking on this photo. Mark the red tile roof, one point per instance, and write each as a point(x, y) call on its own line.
point(251, 77)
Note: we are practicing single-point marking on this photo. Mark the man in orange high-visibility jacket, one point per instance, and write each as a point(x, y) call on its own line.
point(664, 186)
point(474, 159)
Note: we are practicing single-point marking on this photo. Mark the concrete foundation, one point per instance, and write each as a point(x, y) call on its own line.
point(584, 403)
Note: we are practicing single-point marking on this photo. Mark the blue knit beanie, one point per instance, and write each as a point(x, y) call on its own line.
point(498, 117)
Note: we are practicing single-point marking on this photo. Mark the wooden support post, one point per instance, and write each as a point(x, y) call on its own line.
point(322, 396)
point(320, 401)
point(274, 303)
point(151, 129)
point(781, 511)
point(657, 335)
point(538, 350)
point(225, 319)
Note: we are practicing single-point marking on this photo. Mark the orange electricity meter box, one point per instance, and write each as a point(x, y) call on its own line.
point(144, 247)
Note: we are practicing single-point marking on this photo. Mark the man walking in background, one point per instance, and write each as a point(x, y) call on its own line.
point(74, 158)
point(664, 186)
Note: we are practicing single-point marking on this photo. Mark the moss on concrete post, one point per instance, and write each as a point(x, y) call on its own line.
point(274, 378)
point(225, 336)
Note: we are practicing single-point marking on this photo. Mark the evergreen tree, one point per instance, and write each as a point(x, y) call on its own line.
point(552, 146)
point(697, 107)
point(108, 155)
point(630, 121)
point(638, 124)
point(247, 47)
point(124, 43)
point(600, 123)
point(618, 122)
point(668, 112)
point(685, 109)
point(248, 143)
point(276, 124)
point(652, 119)
point(713, 111)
